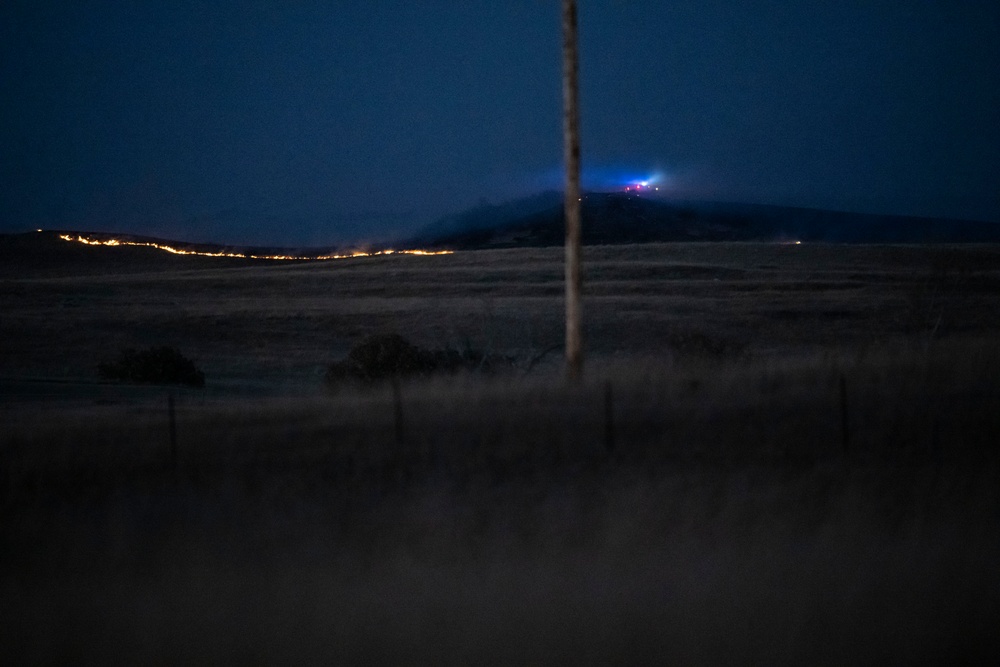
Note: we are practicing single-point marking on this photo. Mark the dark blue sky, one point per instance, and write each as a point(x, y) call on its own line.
point(314, 122)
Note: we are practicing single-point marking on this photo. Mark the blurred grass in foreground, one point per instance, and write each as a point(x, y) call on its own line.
point(732, 522)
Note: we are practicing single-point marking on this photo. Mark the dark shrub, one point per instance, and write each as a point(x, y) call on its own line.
point(383, 356)
point(698, 344)
point(453, 360)
point(386, 356)
point(156, 365)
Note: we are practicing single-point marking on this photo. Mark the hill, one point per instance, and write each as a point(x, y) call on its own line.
point(609, 218)
point(46, 253)
point(63, 253)
point(618, 218)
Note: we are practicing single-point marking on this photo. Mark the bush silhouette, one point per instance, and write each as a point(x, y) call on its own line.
point(386, 356)
point(156, 365)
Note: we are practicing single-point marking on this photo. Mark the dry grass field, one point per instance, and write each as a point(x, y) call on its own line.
point(779, 454)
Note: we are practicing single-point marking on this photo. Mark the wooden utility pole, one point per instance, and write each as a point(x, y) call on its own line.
point(571, 205)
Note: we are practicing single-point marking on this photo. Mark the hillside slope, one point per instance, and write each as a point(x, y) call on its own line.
point(615, 218)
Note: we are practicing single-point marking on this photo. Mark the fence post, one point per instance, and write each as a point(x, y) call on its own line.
point(845, 431)
point(397, 410)
point(172, 420)
point(609, 417)
point(936, 439)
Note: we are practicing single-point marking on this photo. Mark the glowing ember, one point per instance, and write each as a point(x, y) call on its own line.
point(239, 255)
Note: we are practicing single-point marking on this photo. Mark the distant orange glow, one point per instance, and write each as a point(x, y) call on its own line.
point(239, 255)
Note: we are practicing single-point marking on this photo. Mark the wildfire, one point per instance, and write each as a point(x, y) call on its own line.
point(240, 255)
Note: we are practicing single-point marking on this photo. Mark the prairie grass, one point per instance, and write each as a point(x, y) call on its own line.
point(727, 524)
point(723, 515)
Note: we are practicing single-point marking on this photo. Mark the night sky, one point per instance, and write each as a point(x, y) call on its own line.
point(309, 122)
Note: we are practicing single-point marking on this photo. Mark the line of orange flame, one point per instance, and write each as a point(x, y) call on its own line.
point(178, 251)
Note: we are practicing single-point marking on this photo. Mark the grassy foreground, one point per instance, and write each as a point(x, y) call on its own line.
point(818, 495)
point(492, 523)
